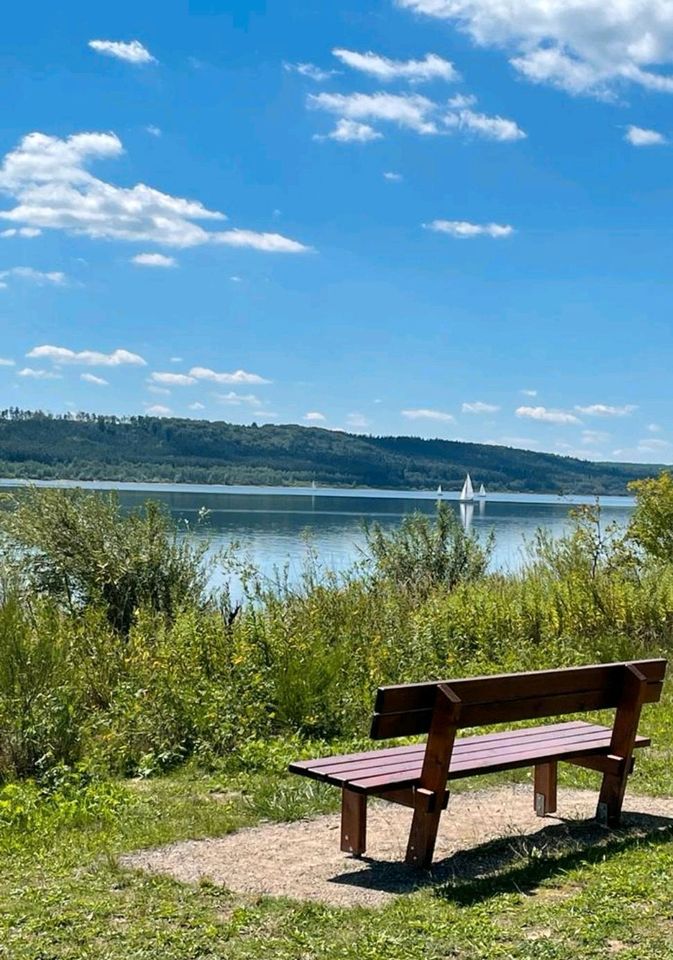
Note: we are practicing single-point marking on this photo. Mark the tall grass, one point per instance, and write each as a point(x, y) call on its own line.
point(172, 680)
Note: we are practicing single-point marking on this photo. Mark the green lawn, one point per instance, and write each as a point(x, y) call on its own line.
point(63, 895)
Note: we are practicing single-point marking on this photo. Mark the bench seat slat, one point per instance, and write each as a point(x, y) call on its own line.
point(398, 767)
point(301, 766)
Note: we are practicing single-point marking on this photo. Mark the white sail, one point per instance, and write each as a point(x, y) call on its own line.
point(439, 490)
point(482, 490)
point(467, 493)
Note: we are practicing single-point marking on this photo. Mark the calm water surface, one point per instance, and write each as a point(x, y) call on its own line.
point(272, 524)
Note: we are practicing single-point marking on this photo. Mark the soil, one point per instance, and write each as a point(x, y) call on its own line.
point(483, 834)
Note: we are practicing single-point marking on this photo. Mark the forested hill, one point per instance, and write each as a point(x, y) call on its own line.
point(91, 447)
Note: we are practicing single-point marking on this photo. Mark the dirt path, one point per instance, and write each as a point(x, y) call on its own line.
point(480, 834)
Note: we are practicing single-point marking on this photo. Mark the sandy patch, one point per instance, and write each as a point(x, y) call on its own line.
point(480, 834)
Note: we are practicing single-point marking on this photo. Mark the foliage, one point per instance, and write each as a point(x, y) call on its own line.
point(420, 555)
point(651, 526)
point(81, 551)
point(85, 446)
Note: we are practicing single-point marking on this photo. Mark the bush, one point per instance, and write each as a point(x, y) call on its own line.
point(79, 549)
point(422, 555)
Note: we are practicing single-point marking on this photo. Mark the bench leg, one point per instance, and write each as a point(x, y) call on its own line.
point(353, 822)
point(423, 834)
point(544, 797)
point(611, 798)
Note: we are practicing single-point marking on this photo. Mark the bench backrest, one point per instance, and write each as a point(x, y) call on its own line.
point(407, 709)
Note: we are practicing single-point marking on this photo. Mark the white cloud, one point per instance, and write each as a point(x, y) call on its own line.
point(392, 176)
point(92, 378)
point(39, 277)
point(266, 242)
point(463, 229)
point(158, 391)
point(237, 399)
point(237, 377)
point(423, 413)
point(20, 232)
point(153, 260)
point(547, 416)
point(652, 427)
point(640, 137)
point(411, 111)
point(53, 189)
point(483, 125)
point(583, 47)
point(157, 410)
point(173, 379)
point(350, 131)
point(603, 410)
point(528, 393)
point(236, 279)
point(90, 358)
point(175, 359)
point(310, 70)
point(313, 416)
point(357, 420)
point(431, 67)
point(131, 51)
point(653, 444)
point(153, 130)
point(4, 362)
point(595, 436)
point(479, 407)
point(196, 406)
point(38, 374)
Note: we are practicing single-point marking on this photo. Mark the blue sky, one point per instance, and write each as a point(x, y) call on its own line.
point(422, 216)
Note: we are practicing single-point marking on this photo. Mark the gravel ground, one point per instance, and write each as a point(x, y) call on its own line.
point(480, 833)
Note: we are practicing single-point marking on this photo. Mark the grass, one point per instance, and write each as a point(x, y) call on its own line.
point(63, 894)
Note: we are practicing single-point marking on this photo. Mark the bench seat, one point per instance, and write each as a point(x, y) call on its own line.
point(376, 771)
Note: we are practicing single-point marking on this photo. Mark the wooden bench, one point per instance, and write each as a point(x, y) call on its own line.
point(417, 776)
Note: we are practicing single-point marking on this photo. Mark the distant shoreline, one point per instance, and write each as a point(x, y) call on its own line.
point(162, 486)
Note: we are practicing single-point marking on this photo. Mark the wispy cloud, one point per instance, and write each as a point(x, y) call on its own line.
point(92, 378)
point(173, 379)
point(237, 377)
point(431, 67)
point(357, 421)
point(479, 407)
point(462, 117)
point(464, 230)
point(528, 393)
point(37, 374)
point(153, 130)
point(153, 260)
point(604, 410)
point(350, 131)
point(196, 406)
point(411, 111)
point(546, 415)
point(157, 410)
point(313, 416)
point(237, 399)
point(53, 189)
point(310, 70)
point(5, 362)
point(132, 51)
point(91, 358)
point(640, 137)
point(424, 413)
point(26, 232)
point(40, 278)
point(392, 176)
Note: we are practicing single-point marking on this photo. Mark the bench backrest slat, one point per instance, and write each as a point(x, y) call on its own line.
point(406, 709)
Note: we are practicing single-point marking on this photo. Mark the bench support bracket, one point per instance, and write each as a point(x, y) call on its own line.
point(623, 739)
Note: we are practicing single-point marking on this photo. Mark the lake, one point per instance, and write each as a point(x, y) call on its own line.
point(272, 524)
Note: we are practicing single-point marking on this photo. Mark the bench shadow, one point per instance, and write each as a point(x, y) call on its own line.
point(516, 863)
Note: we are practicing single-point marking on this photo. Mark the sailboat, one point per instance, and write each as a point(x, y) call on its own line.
point(467, 493)
point(439, 490)
point(482, 492)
